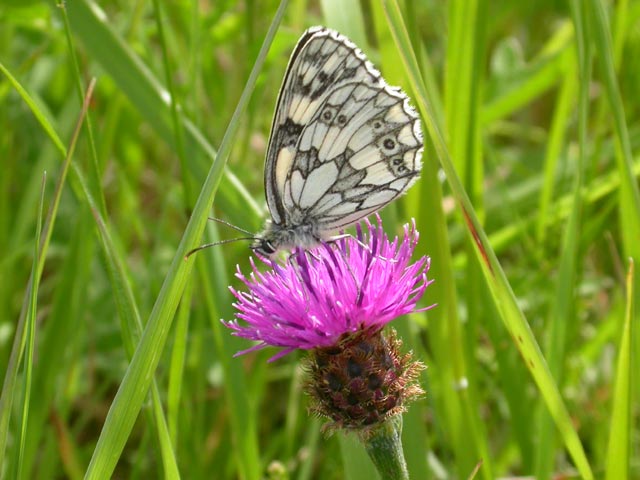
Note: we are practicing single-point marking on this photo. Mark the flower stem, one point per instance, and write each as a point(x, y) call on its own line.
point(384, 447)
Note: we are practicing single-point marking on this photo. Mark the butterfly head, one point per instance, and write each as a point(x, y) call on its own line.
point(263, 246)
point(277, 237)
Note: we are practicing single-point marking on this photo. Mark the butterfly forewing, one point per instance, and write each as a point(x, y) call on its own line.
point(343, 143)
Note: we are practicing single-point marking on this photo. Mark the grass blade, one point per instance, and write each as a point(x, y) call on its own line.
point(147, 94)
point(176, 369)
point(504, 86)
point(31, 333)
point(6, 398)
point(495, 278)
point(618, 458)
point(131, 328)
point(450, 382)
point(94, 170)
point(463, 85)
point(629, 192)
point(37, 112)
point(562, 317)
point(555, 144)
point(133, 388)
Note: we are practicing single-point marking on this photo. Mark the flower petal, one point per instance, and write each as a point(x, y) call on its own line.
point(316, 296)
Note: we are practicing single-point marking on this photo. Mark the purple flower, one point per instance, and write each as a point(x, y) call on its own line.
point(349, 286)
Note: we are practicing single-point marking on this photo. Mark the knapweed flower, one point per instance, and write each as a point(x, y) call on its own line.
point(334, 301)
point(319, 295)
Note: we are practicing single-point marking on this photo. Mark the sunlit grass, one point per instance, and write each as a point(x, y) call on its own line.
point(532, 114)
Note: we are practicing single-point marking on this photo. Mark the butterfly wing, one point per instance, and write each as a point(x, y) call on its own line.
point(344, 143)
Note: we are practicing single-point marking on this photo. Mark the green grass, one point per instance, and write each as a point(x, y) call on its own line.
point(116, 362)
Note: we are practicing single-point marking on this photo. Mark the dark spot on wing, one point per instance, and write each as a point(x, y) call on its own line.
point(321, 83)
point(316, 58)
point(288, 134)
point(299, 87)
point(347, 73)
point(327, 114)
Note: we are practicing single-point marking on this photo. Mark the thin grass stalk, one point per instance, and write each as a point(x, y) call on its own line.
point(131, 330)
point(8, 387)
point(618, 458)
point(495, 277)
point(94, 169)
point(212, 277)
point(145, 92)
point(629, 191)
point(563, 312)
point(176, 367)
point(178, 132)
point(177, 362)
point(463, 86)
point(135, 383)
point(555, 143)
point(130, 320)
point(30, 337)
point(128, 312)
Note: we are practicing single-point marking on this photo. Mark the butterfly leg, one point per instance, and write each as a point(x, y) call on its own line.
point(342, 236)
point(366, 247)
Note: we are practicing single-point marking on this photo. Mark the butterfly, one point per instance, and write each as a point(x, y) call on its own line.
point(343, 145)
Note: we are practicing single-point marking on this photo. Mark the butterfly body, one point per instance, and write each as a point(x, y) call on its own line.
point(277, 237)
point(343, 144)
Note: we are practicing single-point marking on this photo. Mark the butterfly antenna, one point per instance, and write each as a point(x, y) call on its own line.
point(213, 244)
point(231, 225)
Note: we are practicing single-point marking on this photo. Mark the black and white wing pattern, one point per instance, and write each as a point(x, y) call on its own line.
point(343, 143)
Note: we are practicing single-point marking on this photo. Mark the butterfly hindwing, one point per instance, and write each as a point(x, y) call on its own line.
point(365, 145)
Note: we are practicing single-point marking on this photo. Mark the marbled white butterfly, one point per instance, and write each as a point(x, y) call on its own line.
point(343, 144)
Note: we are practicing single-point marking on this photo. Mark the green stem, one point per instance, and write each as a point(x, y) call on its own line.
point(384, 447)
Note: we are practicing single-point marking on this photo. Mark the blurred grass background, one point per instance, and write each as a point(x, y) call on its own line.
point(538, 109)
